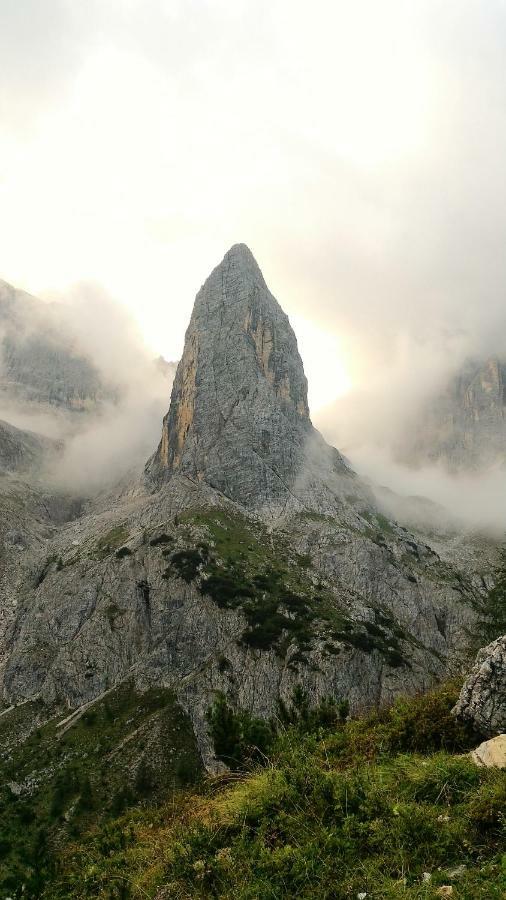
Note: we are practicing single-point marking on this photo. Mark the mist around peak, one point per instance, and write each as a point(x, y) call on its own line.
point(75, 369)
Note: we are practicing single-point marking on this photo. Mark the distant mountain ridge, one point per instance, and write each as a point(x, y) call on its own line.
point(38, 365)
point(464, 425)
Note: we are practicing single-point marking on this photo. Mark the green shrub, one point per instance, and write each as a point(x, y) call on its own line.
point(238, 737)
point(187, 563)
point(161, 539)
point(122, 552)
point(487, 810)
point(493, 622)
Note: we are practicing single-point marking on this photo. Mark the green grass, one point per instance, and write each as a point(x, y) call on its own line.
point(239, 564)
point(110, 542)
point(335, 810)
point(125, 748)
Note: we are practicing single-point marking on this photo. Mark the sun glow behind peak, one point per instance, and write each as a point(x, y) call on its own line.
point(323, 357)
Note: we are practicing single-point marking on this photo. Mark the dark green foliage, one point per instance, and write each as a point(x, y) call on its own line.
point(187, 563)
point(238, 738)
point(161, 539)
point(487, 810)
point(186, 771)
point(227, 587)
point(86, 798)
point(309, 719)
point(144, 780)
point(241, 739)
point(65, 788)
point(270, 608)
point(85, 777)
point(25, 812)
point(415, 725)
point(372, 636)
point(89, 718)
point(122, 552)
point(493, 622)
point(122, 799)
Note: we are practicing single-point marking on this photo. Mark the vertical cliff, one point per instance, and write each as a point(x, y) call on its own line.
point(239, 416)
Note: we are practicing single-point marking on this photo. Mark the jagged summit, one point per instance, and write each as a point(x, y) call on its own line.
point(239, 416)
point(241, 258)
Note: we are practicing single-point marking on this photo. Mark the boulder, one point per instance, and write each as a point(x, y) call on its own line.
point(482, 699)
point(492, 753)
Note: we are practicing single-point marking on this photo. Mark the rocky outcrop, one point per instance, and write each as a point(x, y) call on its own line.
point(492, 753)
point(482, 699)
point(239, 417)
point(39, 366)
point(24, 451)
point(464, 427)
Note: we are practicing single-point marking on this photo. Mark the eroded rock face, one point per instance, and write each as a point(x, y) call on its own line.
point(464, 427)
point(40, 367)
point(482, 699)
point(23, 451)
point(367, 611)
point(239, 417)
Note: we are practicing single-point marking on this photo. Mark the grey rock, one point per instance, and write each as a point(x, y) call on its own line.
point(464, 426)
point(237, 440)
point(239, 416)
point(40, 366)
point(482, 700)
point(24, 451)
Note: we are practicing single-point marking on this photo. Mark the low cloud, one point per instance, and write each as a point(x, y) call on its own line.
point(86, 343)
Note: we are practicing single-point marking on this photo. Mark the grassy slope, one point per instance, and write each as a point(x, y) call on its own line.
point(367, 806)
point(124, 749)
point(335, 812)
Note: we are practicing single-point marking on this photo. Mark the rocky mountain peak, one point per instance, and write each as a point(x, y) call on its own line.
point(239, 415)
point(463, 426)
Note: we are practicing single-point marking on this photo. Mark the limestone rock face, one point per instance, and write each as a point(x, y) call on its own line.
point(21, 451)
point(482, 699)
point(464, 427)
point(256, 561)
point(239, 417)
point(39, 366)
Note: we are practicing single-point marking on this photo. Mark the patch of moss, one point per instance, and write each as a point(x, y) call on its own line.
point(110, 542)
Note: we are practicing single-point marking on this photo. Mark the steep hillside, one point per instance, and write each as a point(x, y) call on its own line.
point(384, 807)
point(250, 564)
point(256, 559)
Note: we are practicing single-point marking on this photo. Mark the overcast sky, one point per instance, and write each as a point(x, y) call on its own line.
point(359, 148)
